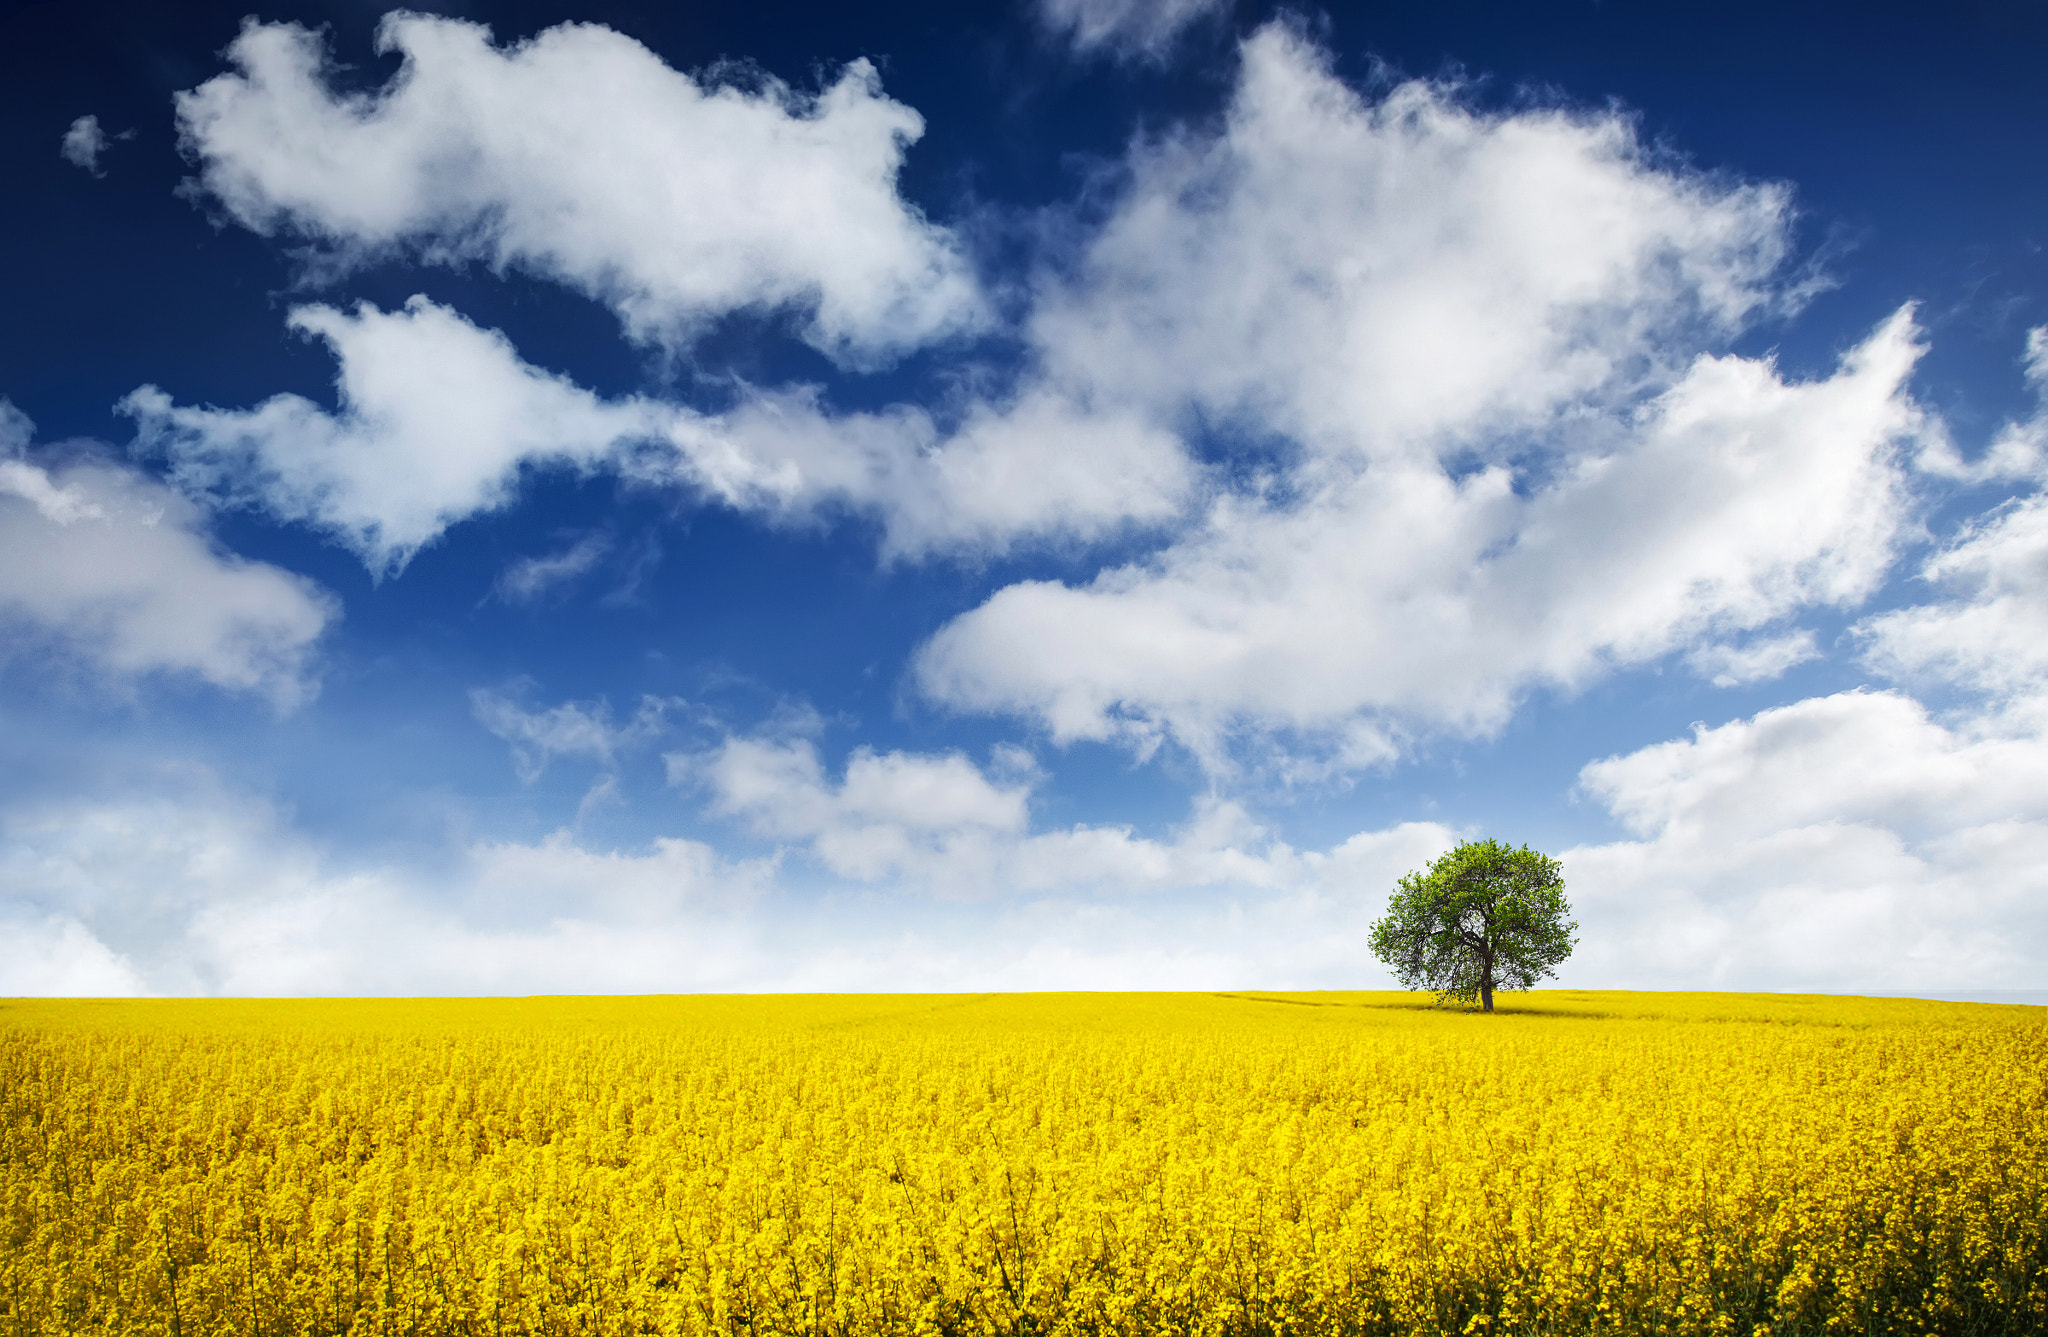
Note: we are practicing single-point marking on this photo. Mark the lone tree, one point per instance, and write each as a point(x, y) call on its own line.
point(1486, 916)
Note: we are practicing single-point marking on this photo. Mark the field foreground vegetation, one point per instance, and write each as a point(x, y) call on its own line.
point(1024, 1164)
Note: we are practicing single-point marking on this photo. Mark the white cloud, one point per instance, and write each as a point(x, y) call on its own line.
point(1843, 843)
point(58, 957)
point(1991, 636)
point(65, 505)
point(571, 729)
point(209, 893)
point(1309, 929)
point(1990, 633)
point(436, 419)
point(102, 565)
point(1040, 467)
point(83, 144)
point(529, 578)
point(1847, 843)
point(1400, 598)
point(1042, 464)
point(1127, 29)
point(940, 823)
point(580, 157)
point(1402, 276)
point(1756, 661)
point(888, 811)
point(1467, 346)
point(1407, 284)
point(2019, 450)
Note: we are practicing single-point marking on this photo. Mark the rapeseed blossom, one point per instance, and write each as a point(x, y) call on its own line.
point(1053, 1164)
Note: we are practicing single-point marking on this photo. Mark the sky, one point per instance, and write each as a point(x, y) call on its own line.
point(1063, 494)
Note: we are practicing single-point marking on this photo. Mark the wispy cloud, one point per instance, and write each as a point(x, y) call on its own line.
point(1759, 660)
point(569, 729)
point(1127, 30)
point(530, 578)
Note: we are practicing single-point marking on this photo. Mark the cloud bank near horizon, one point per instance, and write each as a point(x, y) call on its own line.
point(1841, 844)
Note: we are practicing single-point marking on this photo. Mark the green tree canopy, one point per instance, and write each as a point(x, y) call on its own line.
point(1485, 916)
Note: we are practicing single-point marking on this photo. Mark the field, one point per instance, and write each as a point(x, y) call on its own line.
point(1106, 1164)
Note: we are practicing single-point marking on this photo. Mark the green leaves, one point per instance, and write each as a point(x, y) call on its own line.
point(1485, 916)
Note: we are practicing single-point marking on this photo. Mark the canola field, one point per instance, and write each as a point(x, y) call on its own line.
point(1055, 1164)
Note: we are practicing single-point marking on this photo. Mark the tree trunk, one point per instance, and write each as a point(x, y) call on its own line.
point(1486, 986)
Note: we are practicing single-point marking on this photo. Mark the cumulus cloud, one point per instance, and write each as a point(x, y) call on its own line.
point(1455, 299)
point(887, 810)
point(1992, 634)
point(102, 565)
point(939, 822)
point(1042, 466)
point(1131, 30)
point(1464, 360)
point(1404, 275)
point(1987, 632)
point(437, 421)
point(1843, 843)
point(1399, 597)
point(578, 156)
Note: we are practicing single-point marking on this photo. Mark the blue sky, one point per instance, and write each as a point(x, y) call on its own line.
point(1086, 494)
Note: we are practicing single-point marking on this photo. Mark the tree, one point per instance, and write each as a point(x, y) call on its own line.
point(1486, 916)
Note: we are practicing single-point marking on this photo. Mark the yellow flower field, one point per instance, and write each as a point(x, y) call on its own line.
point(1024, 1164)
